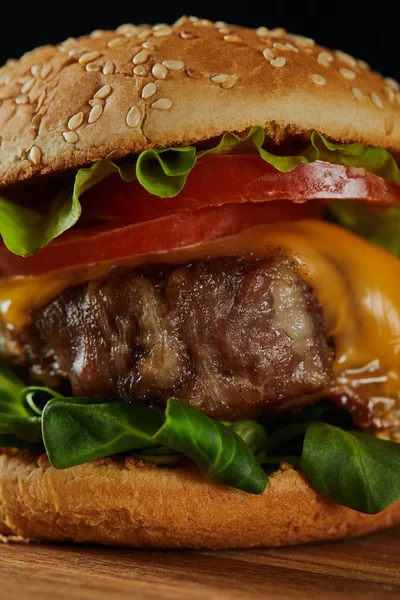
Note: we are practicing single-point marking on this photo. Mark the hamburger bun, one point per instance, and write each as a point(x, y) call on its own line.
point(136, 504)
point(113, 93)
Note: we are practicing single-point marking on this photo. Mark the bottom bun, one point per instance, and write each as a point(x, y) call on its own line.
point(130, 503)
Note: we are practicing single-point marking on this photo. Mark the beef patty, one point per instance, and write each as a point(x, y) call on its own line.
point(229, 336)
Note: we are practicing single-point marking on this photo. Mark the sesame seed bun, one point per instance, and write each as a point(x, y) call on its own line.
point(114, 93)
point(128, 504)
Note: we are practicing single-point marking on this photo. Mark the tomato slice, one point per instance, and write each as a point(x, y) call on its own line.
point(113, 243)
point(223, 195)
point(226, 179)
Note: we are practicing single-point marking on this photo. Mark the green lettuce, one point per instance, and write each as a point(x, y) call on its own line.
point(352, 468)
point(379, 227)
point(163, 172)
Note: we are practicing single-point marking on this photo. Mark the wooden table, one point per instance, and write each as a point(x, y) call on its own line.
point(367, 568)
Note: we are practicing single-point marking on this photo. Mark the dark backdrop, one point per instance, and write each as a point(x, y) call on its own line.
point(351, 25)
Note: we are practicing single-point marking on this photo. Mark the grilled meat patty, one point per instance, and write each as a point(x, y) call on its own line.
point(229, 336)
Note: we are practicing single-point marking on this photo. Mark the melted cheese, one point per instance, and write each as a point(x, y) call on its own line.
point(358, 285)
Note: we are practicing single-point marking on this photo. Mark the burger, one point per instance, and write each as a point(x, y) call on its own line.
point(199, 294)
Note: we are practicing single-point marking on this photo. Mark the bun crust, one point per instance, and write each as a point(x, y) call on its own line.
point(136, 505)
point(114, 93)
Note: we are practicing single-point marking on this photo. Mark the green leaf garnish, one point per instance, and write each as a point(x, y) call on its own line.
point(352, 468)
point(77, 430)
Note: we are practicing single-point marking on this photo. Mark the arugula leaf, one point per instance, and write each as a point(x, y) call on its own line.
point(379, 227)
point(77, 430)
point(354, 469)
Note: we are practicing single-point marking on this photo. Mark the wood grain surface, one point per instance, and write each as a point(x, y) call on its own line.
point(367, 568)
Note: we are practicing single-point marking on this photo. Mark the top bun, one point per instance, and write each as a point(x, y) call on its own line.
point(114, 93)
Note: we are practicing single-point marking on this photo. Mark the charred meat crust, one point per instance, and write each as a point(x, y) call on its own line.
point(229, 336)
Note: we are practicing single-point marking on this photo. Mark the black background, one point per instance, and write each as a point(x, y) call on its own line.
point(367, 30)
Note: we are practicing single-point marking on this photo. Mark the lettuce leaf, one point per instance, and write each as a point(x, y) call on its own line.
point(379, 227)
point(26, 230)
point(163, 172)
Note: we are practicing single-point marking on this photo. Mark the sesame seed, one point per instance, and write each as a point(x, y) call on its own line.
point(291, 47)
point(192, 73)
point(88, 57)
point(262, 31)
point(278, 62)
point(301, 40)
point(71, 137)
point(109, 68)
point(159, 26)
point(21, 99)
point(103, 92)
point(159, 71)
point(318, 79)
point(35, 70)
point(220, 78)
point(324, 59)
point(75, 51)
point(224, 30)
point(186, 35)
point(118, 41)
point(127, 28)
point(92, 67)
point(140, 70)
point(148, 45)
point(95, 113)
point(141, 57)
point(229, 84)
point(389, 126)
point(28, 85)
point(149, 90)
point(36, 120)
point(24, 79)
point(346, 58)
point(97, 33)
point(363, 64)
point(193, 19)
point(279, 46)
point(35, 155)
point(220, 24)
point(268, 54)
point(97, 102)
point(376, 99)
point(75, 121)
point(357, 93)
point(390, 94)
point(45, 70)
point(232, 38)
point(277, 32)
point(133, 117)
point(392, 83)
point(143, 35)
point(347, 73)
point(163, 32)
point(173, 65)
point(162, 104)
